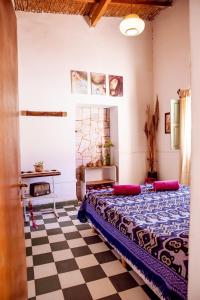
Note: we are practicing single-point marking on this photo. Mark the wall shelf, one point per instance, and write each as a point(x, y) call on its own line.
point(103, 167)
point(97, 182)
point(45, 173)
point(32, 113)
point(94, 176)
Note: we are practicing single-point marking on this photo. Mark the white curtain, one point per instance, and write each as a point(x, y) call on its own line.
point(185, 135)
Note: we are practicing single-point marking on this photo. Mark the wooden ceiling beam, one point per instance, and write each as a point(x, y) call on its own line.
point(140, 2)
point(98, 11)
point(134, 2)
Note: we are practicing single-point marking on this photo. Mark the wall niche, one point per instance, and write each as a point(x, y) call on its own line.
point(93, 130)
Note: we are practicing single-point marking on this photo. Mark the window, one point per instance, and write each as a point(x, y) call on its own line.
point(175, 124)
point(181, 132)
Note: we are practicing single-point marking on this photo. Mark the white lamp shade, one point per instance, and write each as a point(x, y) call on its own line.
point(132, 25)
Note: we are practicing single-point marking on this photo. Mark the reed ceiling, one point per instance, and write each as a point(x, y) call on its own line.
point(95, 9)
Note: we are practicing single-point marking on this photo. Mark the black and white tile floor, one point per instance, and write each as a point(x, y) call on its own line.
point(67, 260)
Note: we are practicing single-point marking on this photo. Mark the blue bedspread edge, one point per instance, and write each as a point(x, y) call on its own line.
point(84, 214)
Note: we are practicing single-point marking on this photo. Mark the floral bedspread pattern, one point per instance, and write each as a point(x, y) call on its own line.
point(156, 221)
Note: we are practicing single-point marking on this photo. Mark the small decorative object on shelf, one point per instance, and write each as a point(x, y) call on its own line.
point(98, 163)
point(90, 164)
point(39, 166)
point(108, 144)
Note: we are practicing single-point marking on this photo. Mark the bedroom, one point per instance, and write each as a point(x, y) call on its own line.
point(53, 45)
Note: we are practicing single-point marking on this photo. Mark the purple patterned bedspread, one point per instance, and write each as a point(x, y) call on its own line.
point(156, 221)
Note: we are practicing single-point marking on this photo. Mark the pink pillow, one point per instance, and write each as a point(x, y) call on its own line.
point(133, 189)
point(166, 185)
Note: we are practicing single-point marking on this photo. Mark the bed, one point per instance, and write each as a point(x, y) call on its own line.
point(149, 230)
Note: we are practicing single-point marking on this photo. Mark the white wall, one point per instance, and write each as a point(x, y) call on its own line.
point(49, 47)
point(171, 63)
point(194, 242)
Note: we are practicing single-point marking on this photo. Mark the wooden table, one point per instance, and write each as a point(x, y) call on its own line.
point(25, 175)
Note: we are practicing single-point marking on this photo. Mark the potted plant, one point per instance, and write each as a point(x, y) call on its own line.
point(39, 166)
point(150, 129)
point(108, 144)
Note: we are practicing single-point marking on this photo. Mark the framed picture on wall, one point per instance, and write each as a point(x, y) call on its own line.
point(167, 123)
point(116, 86)
point(79, 82)
point(98, 83)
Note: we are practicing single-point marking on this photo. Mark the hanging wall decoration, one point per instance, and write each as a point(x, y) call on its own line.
point(115, 86)
point(79, 82)
point(167, 123)
point(98, 83)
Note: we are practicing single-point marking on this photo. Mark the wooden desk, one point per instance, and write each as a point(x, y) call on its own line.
point(25, 175)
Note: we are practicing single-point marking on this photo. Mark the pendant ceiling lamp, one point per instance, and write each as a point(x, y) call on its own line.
point(132, 25)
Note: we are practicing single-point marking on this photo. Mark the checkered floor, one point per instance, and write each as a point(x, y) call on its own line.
point(67, 260)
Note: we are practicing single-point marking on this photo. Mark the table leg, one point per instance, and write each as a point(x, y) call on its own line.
point(54, 208)
point(26, 219)
point(32, 216)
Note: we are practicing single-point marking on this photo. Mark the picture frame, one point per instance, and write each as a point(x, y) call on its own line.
point(98, 83)
point(167, 123)
point(79, 82)
point(115, 85)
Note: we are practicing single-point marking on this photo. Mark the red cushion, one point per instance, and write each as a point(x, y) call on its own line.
point(133, 189)
point(166, 185)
